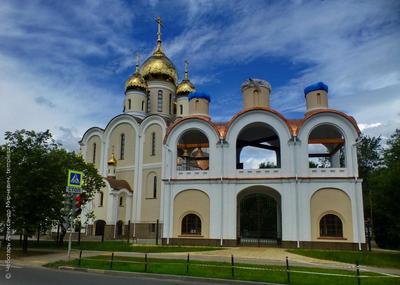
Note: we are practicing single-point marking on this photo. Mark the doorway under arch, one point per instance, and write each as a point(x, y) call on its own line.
point(99, 227)
point(118, 232)
point(259, 220)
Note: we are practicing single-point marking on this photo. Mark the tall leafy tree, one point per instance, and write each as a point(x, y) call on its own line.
point(385, 183)
point(369, 151)
point(38, 178)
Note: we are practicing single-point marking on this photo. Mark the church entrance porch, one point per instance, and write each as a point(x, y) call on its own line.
point(259, 217)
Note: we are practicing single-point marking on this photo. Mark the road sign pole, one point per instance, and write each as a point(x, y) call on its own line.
point(70, 238)
point(74, 186)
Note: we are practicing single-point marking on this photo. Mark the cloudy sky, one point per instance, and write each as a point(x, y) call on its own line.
point(63, 63)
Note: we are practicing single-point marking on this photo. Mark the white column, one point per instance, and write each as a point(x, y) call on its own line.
point(112, 206)
point(139, 180)
point(128, 207)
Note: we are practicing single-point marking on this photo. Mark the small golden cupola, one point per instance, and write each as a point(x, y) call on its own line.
point(136, 93)
point(158, 65)
point(182, 91)
point(136, 81)
point(112, 165)
point(185, 87)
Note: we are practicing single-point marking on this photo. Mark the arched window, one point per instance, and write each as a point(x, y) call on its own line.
point(330, 226)
point(129, 104)
point(155, 187)
point(159, 101)
point(94, 153)
point(101, 199)
point(191, 225)
point(181, 109)
point(148, 103)
point(153, 143)
point(142, 105)
point(122, 148)
point(121, 201)
point(326, 147)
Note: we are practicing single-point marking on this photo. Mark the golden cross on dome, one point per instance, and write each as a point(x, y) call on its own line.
point(159, 25)
point(186, 69)
point(137, 55)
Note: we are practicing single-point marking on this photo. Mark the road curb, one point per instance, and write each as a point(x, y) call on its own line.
point(163, 276)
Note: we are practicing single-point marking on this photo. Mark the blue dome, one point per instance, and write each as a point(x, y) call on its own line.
point(199, 95)
point(315, 87)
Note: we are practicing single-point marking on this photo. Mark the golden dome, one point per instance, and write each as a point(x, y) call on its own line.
point(136, 81)
point(185, 87)
point(112, 160)
point(159, 65)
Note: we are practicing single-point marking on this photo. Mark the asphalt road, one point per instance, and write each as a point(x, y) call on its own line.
point(45, 276)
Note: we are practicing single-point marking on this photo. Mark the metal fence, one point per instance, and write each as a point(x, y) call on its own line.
point(232, 266)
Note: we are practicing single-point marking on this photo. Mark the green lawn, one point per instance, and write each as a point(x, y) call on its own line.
point(373, 258)
point(275, 274)
point(117, 246)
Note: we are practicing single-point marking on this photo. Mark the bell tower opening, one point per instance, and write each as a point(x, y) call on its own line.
point(193, 151)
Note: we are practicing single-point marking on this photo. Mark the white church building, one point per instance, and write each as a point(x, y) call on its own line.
point(171, 171)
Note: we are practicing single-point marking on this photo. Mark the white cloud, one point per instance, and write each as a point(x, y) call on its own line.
point(368, 126)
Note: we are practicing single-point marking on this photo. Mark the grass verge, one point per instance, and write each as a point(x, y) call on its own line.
point(223, 270)
point(379, 259)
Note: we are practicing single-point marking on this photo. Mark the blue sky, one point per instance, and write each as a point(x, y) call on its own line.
point(63, 63)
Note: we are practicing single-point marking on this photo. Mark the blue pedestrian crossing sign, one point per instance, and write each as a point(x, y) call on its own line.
point(75, 178)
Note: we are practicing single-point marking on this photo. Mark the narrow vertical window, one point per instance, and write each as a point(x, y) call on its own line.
point(155, 187)
point(181, 109)
point(121, 201)
point(318, 98)
point(153, 143)
point(159, 101)
point(170, 103)
point(122, 148)
point(142, 105)
point(101, 199)
point(129, 104)
point(94, 153)
point(148, 103)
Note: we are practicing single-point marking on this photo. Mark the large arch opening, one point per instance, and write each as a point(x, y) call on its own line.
point(192, 151)
point(326, 147)
point(259, 219)
point(258, 146)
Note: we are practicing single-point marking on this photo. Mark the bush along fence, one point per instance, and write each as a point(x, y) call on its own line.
point(227, 270)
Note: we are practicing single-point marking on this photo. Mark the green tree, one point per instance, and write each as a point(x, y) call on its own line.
point(385, 183)
point(267, 164)
point(38, 178)
point(369, 152)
